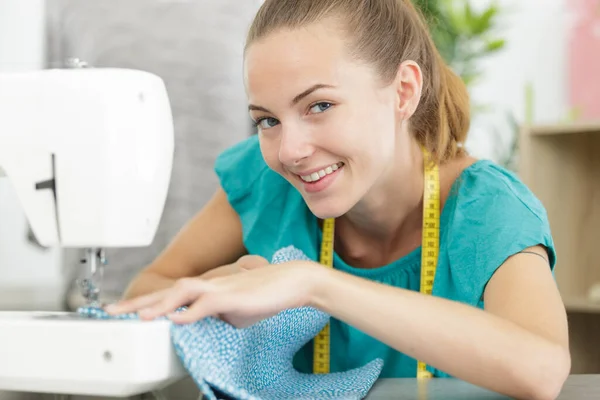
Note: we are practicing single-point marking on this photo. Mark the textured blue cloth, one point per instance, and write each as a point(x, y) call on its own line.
point(256, 363)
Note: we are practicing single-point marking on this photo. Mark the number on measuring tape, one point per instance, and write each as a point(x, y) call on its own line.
point(321, 352)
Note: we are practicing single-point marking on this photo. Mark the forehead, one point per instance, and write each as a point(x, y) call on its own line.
point(289, 60)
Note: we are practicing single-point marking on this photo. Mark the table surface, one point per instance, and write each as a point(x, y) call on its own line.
point(577, 387)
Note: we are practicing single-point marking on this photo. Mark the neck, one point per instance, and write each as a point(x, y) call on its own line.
point(386, 224)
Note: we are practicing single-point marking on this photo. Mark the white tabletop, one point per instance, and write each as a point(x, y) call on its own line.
point(577, 387)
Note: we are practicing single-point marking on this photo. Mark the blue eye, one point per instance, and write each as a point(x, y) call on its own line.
point(266, 122)
point(320, 107)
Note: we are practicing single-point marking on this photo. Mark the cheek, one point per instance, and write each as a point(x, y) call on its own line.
point(387, 126)
point(269, 148)
point(376, 130)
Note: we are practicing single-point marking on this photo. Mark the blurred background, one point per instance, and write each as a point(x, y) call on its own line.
point(532, 68)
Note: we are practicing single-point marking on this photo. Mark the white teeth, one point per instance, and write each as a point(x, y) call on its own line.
point(315, 176)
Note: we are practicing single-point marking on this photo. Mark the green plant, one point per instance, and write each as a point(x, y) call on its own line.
point(462, 34)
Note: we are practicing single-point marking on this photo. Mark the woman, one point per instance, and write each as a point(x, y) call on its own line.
point(352, 103)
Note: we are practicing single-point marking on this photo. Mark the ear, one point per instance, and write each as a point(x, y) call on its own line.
point(409, 85)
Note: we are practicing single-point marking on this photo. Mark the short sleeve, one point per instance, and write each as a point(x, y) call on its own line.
point(494, 217)
point(238, 168)
point(268, 205)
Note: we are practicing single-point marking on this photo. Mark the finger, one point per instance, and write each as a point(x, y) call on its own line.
point(207, 305)
point(251, 261)
point(184, 292)
point(243, 264)
point(223, 270)
point(135, 304)
point(244, 321)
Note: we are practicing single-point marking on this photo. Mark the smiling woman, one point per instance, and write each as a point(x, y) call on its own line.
point(360, 125)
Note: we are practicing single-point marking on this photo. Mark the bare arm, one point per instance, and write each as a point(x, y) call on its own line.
point(213, 237)
point(518, 346)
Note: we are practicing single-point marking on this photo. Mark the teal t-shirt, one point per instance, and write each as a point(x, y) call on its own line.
point(489, 215)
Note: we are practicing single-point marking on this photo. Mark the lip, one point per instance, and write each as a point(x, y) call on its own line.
point(310, 171)
point(323, 183)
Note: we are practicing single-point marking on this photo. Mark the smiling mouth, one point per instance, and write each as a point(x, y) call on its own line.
point(317, 176)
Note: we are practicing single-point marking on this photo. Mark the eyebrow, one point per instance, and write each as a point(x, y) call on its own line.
point(296, 99)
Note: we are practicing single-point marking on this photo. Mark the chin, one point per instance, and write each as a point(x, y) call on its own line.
point(326, 208)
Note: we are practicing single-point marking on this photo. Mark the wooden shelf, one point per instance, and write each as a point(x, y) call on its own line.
point(581, 304)
point(561, 165)
point(588, 127)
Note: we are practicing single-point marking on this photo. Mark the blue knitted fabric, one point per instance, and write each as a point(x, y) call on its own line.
point(255, 363)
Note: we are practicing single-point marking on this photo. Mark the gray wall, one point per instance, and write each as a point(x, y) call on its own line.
point(196, 47)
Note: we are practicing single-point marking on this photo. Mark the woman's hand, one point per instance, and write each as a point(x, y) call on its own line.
point(138, 303)
point(239, 294)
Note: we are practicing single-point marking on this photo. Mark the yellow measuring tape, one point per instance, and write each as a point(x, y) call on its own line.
point(321, 357)
point(430, 244)
point(429, 255)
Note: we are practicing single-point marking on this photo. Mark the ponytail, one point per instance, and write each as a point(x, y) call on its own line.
point(453, 111)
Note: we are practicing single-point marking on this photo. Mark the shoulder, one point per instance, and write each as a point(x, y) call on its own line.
point(496, 190)
point(265, 202)
point(491, 216)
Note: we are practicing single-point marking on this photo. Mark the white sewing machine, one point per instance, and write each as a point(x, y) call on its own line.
point(89, 153)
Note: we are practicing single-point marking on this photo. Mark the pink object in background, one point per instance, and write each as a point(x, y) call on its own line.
point(584, 59)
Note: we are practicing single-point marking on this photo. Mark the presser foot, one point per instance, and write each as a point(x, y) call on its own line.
point(90, 292)
point(90, 288)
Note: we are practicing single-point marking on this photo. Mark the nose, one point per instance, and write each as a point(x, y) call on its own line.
point(295, 146)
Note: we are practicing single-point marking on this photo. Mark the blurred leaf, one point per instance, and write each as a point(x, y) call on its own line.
point(495, 45)
point(484, 22)
point(468, 17)
point(469, 79)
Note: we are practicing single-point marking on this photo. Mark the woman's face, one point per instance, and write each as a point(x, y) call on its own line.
point(325, 123)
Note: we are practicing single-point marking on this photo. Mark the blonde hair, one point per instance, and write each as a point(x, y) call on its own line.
point(386, 33)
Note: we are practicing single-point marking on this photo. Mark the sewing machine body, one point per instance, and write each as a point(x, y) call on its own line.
point(64, 353)
point(89, 154)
